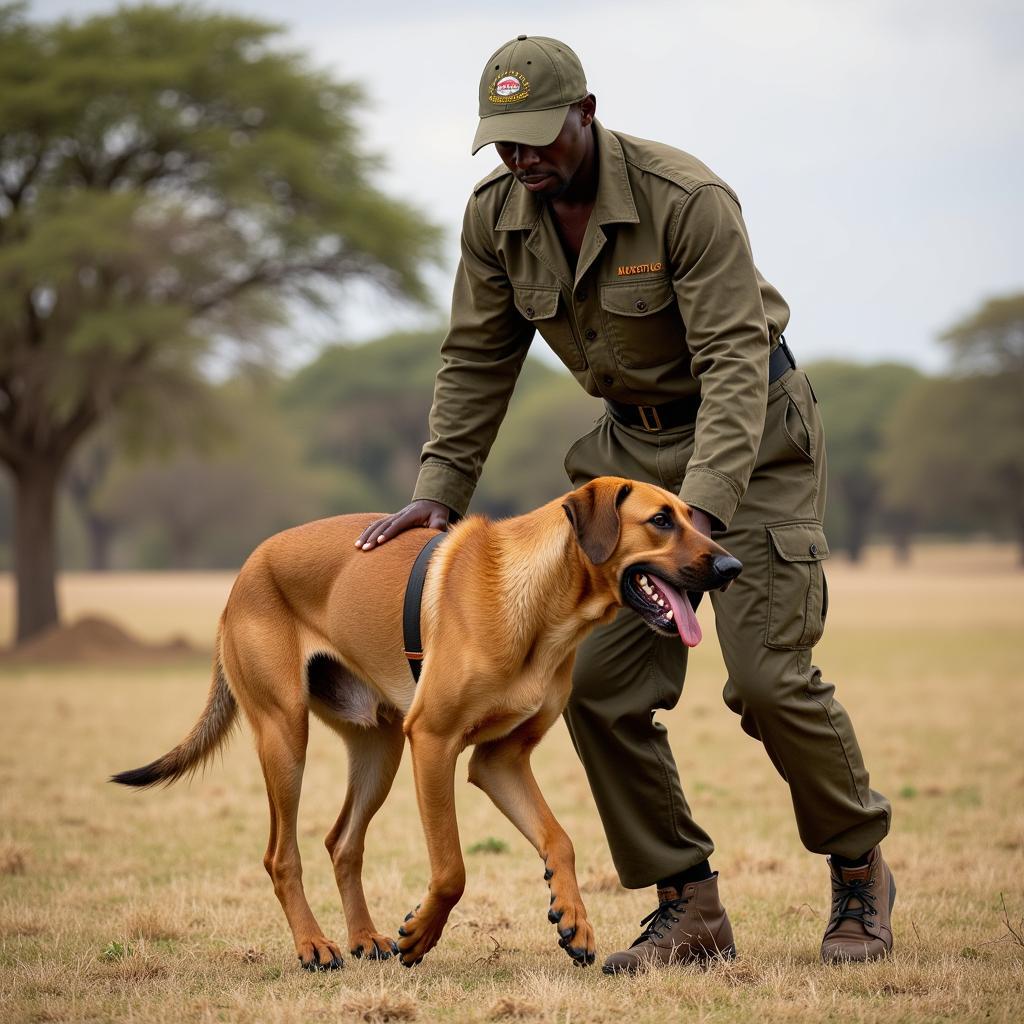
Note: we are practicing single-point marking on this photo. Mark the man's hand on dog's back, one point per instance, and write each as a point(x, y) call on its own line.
point(431, 514)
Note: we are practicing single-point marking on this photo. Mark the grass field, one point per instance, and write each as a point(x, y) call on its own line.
point(155, 906)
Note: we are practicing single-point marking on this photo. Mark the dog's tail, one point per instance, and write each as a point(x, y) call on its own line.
point(200, 744)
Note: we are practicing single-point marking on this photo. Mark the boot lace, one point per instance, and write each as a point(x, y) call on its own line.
point(660, 919)
point(843, 896)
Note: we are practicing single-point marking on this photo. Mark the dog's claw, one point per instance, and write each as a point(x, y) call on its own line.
point(410, 915)
point(394, 947)
point(554, 916)
point(548, 874)
point(402, 931)
point(314, 965)
point(567, 933)
point(357, 952)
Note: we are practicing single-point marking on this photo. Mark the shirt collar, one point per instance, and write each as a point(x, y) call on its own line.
point(614, 201)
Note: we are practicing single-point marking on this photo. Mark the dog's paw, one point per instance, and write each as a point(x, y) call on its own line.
point(419, 933)
point(320, 954)
point(372, 946)
point(575, 934)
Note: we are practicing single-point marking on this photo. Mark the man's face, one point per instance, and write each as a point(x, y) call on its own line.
point(549, 170)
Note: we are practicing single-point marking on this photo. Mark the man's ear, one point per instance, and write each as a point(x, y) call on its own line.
point(593, 511)
point(588, 109)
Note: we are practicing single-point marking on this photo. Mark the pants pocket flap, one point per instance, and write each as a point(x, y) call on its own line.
point(799, 542)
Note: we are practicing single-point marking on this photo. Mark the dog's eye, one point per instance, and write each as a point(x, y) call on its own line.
point(662, 520)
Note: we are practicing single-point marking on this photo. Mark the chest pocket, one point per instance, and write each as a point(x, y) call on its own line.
point(540, 305)
point(641, 322)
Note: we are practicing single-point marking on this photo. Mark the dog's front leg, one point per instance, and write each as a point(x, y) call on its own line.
point(502, 770)
point(433, 763)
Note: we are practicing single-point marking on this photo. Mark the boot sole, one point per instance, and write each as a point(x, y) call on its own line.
point(702, 960)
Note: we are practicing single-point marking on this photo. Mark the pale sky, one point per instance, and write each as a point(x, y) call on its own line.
point(876, 145)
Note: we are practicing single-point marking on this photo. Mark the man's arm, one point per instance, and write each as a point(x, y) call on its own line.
point(481, 357)
point(719, 297)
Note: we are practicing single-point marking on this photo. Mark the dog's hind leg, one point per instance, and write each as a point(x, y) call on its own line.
point(374, 754)
point(282, 749)
point(501, 768)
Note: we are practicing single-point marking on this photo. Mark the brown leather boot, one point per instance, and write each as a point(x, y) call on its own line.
point(860, 927)
point(688, 927)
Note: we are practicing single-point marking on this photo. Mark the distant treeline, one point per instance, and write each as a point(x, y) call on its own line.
point(164, 209)
point(907, 454)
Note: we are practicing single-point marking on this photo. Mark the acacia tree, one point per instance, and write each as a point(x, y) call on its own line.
point(855, 399)
point(956, 444)
point(170, 182)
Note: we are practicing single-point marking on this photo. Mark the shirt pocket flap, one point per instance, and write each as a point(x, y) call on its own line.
point(799, 542)
point(636, 298)
point(536, 302)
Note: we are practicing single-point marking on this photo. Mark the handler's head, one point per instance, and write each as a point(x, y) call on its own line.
point(526, 91)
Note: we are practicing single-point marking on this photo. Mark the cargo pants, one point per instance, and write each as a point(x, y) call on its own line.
point(768, 622)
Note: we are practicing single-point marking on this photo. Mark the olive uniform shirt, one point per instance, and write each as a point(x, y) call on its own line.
point(665, 303)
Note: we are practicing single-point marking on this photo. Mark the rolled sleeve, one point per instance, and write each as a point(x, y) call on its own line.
point(719, 297)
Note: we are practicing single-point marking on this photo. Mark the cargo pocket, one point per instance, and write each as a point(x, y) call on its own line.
point(642, 322)
point(575, 462)
point(539, 304)
point(797, 599)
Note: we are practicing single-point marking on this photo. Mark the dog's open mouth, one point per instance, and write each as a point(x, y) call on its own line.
point(666, 609)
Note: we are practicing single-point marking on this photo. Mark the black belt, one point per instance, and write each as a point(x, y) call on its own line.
point(682, 411)
point(413, 600)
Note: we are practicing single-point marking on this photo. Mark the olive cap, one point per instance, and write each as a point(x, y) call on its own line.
point(526, 88)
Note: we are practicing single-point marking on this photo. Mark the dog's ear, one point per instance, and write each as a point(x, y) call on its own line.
point(593, 511)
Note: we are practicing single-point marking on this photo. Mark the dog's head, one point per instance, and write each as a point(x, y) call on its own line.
point(641, 540)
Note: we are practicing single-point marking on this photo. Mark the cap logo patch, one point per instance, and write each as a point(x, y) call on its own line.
point(510, 87)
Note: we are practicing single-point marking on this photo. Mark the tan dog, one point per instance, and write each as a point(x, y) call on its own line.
point(312, 624)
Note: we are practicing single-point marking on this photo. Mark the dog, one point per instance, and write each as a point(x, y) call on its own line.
point(312, 624)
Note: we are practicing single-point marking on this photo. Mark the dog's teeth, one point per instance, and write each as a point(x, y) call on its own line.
point(649, 591)
point(661, 604)
point(669, 614)
point(643, 581)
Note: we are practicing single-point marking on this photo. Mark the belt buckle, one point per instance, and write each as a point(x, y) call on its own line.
point(649, 418)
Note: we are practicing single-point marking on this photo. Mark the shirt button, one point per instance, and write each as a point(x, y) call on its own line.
point(640, 306)
point(530, 311)
point(590, 334)
point(607, 380)
point(814, 549)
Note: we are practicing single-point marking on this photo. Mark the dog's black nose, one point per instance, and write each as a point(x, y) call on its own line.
point(726, 567)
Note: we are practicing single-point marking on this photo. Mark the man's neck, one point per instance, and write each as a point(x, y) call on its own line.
point(582, 190)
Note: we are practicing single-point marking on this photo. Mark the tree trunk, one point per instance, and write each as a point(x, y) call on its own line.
point(858, 515)
point(35, 548)
point(101, 535)
point(901, 546)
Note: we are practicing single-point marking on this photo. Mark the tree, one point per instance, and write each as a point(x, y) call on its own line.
point(201, 508)
point(855, 401)
point(363, 410)
point(170, 185)
point(990, 340)
point(956, 445)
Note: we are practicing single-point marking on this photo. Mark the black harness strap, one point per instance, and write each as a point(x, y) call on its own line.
point(411, 609)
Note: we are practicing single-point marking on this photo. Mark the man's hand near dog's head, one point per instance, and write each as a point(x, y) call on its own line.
point(431, 514)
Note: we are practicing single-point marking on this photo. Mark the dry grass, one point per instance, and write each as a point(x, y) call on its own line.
point(155, 906)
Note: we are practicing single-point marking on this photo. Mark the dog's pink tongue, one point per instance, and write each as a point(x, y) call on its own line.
point(682, 612)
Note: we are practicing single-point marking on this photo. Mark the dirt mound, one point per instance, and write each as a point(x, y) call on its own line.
point(94, 639)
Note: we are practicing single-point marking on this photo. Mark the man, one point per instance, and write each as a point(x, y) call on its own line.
point(632, 260)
